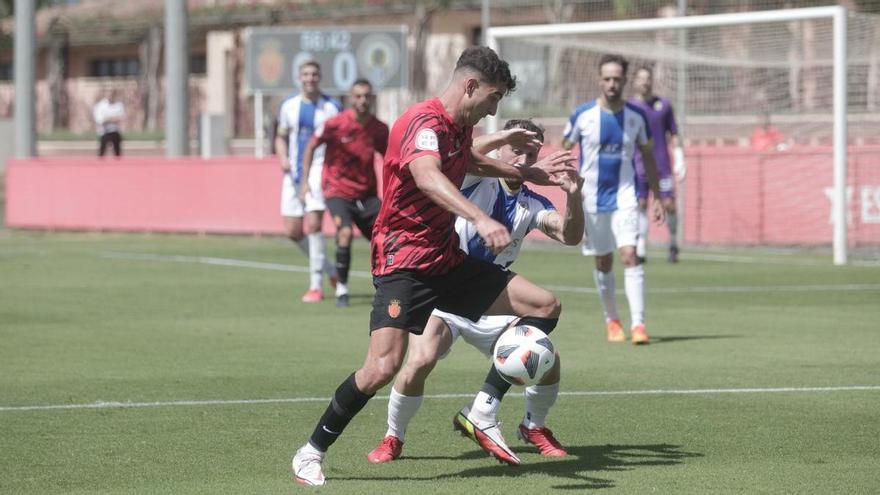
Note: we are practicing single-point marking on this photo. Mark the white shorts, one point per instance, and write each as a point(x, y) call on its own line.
point(291, 206)
point(607, 231)
point(481, 334)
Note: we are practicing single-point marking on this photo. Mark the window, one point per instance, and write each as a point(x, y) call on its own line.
point(198, 64)
point(115, 67)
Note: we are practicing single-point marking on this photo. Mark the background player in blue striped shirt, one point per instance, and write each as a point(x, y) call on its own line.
point(299, 117)
point(608, 130)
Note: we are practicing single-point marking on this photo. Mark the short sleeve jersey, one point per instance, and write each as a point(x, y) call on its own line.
point(607, 141)
point(520, 211)
point(661, 120)
point(298, 119)
point(412, 232)
point(348, 171)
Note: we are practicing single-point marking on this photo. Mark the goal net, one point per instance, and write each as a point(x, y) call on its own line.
point(755, 106)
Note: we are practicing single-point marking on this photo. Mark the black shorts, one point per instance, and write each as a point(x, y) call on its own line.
point(405, 299)
point(362, 212)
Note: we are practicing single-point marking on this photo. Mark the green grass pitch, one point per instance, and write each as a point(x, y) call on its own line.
point(165, 322)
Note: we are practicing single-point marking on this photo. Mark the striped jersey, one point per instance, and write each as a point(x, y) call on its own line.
point(298, 119)
point(520, 211)
point(607, 141)
point(412, 232)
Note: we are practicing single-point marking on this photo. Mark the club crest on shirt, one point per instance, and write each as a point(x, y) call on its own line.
point(658, 105)
point(394, 308)
point(426, 140)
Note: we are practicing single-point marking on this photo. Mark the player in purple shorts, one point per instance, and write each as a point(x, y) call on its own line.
point(661, 120)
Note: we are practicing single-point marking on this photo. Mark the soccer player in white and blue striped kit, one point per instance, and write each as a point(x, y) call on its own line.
point(608, 130)
point(521, 210)
point(299, 117)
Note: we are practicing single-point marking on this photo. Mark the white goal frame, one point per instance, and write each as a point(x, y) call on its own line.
point(837, 13)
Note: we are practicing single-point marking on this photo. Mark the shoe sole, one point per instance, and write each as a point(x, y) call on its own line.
point(303, 481)
point(472, 435)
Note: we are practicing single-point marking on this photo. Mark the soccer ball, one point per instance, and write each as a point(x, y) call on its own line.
point(523, 354)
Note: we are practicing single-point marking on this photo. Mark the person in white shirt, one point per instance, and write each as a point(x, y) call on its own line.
point(108, 114)
point(608, 130)
point(300, 116)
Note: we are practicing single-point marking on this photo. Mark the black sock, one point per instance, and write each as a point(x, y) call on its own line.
point(346, 403)
point(343, 263)
point(494, 385)
point(545, 325)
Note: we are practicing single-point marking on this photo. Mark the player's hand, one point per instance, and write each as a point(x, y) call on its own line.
point(522, 140)
point(679, 167)
point(658, 213)
point(570, 182)
point(547, 171)
point(494, 235)
point(285, 165)
point(301, 194)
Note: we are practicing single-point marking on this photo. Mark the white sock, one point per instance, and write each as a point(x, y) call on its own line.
point(316, 259)
point(634, 283)
point(606, 286)
point(672, 222)
point(485, 408)
point(341, 289)
point(401, 409)
point(642, 242)
point(308, 448)
point(539, 400)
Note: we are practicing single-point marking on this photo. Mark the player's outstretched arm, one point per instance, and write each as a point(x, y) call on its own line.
point(550, 170)
point(647, 151)
point(518, 138)
point(430, 180)
point(568, 228)
point(545, 172)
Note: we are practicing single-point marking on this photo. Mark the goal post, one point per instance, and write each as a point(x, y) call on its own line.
point(576, 36)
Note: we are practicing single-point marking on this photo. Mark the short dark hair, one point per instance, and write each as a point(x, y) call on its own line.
point(646, 68)
point(362, 82)
point(526, 124)
point(484, 60)
point(613, 59)
point(313, 63)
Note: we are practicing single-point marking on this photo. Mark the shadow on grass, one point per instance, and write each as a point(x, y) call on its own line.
point(682, 338)
point(575, 472)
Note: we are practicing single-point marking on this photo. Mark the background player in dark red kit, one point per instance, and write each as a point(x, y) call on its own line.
point(348, 178)
point(417, 263)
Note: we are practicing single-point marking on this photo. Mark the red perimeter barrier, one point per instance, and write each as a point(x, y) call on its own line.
point(732, 195)
point(234, 195)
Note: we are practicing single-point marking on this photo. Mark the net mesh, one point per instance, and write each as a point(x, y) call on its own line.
point(754, 104)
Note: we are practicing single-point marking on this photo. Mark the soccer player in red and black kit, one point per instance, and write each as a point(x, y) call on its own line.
point(417, 264)
point(348, 178)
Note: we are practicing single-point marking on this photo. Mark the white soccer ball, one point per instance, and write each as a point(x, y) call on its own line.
point(523, 354)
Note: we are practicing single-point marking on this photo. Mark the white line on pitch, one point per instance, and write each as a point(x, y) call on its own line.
point(596, 393)
point(206, 260)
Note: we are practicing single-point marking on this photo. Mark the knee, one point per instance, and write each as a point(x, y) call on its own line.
point(420, 365)
point(604, 263)
point(294, 235)
point(343, 237)
point(629, 259)
point(376, 375)
point(549, 306)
